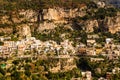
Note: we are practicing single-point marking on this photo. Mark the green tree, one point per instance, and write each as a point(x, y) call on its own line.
point(2, 71)
point(15, 75)
point(84, 64)
point(28, 73)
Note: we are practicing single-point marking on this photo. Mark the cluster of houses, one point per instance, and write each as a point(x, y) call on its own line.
point(87, 75)
point(115, 70)
point(31, 44)
point(108, 48)
point(36, 46)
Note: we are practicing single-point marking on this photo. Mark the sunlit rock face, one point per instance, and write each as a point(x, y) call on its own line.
point(52, 17)
point(46, 26)
point(27, 15)
point(113, 24)
point(24, 30)
point(61, 13)
point(90, 25)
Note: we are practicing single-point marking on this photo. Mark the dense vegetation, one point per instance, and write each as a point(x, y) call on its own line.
point(38, 69)
point(100, 68)
point(27, 4)
point(57, 33)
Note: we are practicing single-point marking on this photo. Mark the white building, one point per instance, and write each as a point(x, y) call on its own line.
point(87, 75)
point(108, 40)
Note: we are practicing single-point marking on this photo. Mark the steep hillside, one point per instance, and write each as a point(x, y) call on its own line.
point(40, 18)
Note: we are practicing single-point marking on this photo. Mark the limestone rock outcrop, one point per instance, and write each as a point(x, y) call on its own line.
point(90, 24)
point(24, 30)
point(52, 17)
point(46, 26)
point(113, 24)
point(60, 13)
point(27, 15)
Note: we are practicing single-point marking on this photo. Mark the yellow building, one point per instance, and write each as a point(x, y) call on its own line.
point(98, 50)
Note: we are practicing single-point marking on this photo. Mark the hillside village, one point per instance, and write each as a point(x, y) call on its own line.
point(31, 48)
point(76, 40)
point(31, 44)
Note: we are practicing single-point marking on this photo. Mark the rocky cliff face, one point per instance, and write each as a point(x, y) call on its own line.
point(90, 24)
point(24, 30)
point(113, 24)
point(24, 20)
point(55, 16)
point(58, 14)
point(46, 26)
